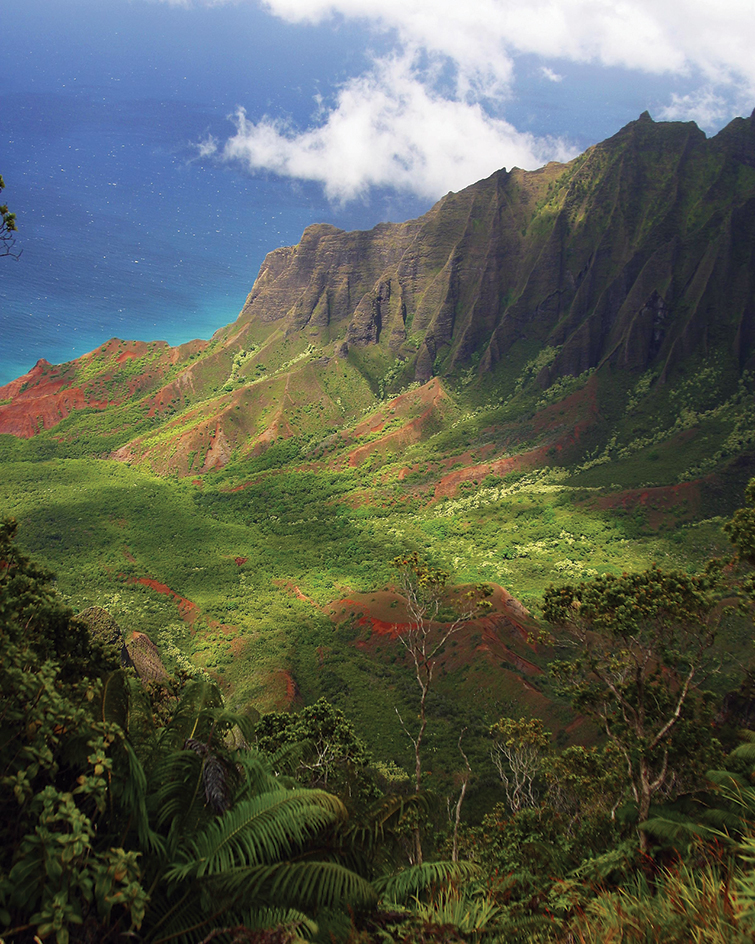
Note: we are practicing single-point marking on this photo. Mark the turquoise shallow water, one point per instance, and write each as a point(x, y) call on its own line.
point(123, 231)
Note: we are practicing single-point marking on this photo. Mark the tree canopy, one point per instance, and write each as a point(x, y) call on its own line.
point(637, 645)
point(7, 228)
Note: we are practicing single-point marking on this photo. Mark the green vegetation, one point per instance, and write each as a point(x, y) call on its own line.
point(451, 400)
point(8, 227)
point(246, 573)
point(167, 815)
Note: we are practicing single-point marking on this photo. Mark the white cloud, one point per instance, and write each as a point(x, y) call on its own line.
point(392, 125)
point(655, 36)
point(388, 129)
point(550, 75)
point(704, 107)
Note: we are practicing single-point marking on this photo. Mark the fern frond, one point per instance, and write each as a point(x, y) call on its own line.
point(727, 779)
point(676, 828)
point(198, 698)
point(387, 813)
point(179, 917)
point(134, 798)
point(304, 885)
point(415, 879)
point(367, 839)
point(140, 726)
point(114, 701)
point(178, 785)
point(257, 919)
point(289, 756)
point(255, 775)
point(261, 829)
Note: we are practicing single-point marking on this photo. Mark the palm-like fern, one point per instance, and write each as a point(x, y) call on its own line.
point(258, 830)
point(223, 840)
point(412, 881)
point(263, 852)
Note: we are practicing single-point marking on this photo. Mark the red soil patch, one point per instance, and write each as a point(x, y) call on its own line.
point(492, 645)
point(286, 690)
point(575, 725)
point(42, 405)
point(12, 389)
point(490, 658)
point(578, 411)
point(238, 561)
point(47, 394)
point(294, 591)
point(188, 611)
point(448, 486)
point(238, 646)
point(385, 614)
point(127, 356)
point(658, 503)
point(430, 396)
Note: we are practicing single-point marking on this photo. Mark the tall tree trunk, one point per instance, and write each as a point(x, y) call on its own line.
point(457, 818)
point(418, 858)
point(643, 805)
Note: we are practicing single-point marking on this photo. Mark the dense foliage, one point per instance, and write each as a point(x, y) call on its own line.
point(129, 810)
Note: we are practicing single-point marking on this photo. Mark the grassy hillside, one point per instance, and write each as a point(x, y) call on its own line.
point(273, 574)
point(547, 377)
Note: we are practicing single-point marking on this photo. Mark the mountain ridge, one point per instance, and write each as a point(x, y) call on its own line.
point(635, 262)
point(547, 376)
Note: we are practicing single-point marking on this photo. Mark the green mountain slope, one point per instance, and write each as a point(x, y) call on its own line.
point(547, 376)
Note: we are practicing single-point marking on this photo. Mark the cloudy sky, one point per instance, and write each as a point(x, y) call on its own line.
point(155, 150)
point(441, 98)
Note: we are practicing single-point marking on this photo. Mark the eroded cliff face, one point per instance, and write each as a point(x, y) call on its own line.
point(640, 250)
point(638, 256)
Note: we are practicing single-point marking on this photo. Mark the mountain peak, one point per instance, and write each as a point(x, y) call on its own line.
point(738, 138)
point(625, 262)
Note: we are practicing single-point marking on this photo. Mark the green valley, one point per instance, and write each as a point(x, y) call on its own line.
point(546, 379)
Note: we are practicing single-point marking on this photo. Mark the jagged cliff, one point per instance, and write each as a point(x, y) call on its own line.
point(630, 252)
point(637, 256)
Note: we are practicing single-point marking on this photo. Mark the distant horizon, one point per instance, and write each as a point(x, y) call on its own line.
point(156, 151)
point(210, 315)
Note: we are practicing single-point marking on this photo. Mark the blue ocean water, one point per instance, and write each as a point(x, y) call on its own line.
point(123, 231)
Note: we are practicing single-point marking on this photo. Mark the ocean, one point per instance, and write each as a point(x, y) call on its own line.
point(123, 231)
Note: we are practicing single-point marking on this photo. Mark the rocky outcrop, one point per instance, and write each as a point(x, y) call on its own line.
point(624, 255)
point(639, 255)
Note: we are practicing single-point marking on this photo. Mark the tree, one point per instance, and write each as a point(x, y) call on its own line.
point(424, 589)
point(320, 747)
point(114, 821)
point(57, 756)
point(465, 778)
point(741, 531)
point(518, 751)
point(642, 641)
point(7, 228)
